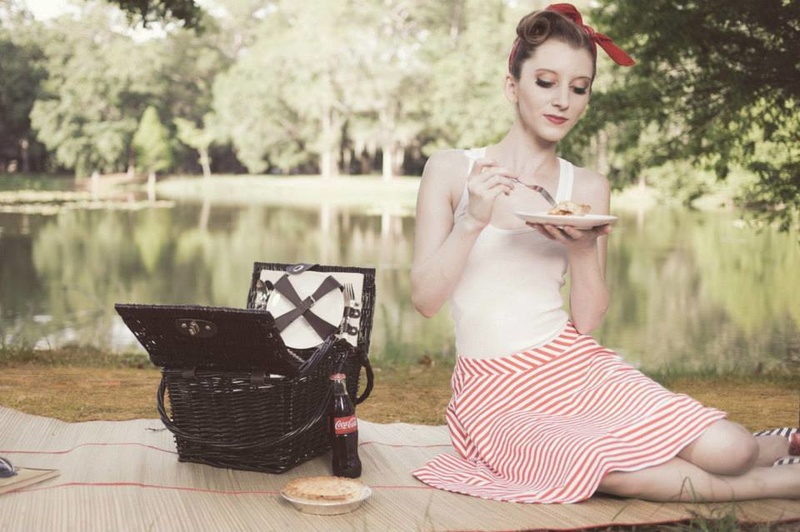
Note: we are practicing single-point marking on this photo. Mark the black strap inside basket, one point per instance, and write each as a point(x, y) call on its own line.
point(303, 306)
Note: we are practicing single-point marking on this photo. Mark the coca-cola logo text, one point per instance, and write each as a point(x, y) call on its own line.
point(345, 425)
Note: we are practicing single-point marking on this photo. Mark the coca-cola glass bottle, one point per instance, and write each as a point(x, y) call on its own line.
point(343, 426)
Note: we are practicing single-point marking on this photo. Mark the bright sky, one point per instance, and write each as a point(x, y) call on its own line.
point(45, 9)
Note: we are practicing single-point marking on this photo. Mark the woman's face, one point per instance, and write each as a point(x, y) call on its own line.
point(552, 90)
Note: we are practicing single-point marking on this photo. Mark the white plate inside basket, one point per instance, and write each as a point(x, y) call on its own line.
point(587, 221)
point(330, 307)
point(328, 507)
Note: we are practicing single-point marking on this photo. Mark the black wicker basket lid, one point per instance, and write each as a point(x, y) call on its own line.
point(187, 337)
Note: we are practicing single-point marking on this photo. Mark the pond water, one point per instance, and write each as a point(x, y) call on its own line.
point(691, 292)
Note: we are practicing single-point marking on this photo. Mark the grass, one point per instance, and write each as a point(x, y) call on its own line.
point(396, 195)
point(77, 384)
point(82, 384)
point(41, 182)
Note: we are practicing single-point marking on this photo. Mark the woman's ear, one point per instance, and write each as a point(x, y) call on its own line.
point(510, 88)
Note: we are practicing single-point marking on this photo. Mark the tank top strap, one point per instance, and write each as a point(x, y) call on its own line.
point(566, 178)
point(471, 154)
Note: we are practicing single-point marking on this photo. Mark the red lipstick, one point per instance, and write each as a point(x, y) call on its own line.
point(558, 120)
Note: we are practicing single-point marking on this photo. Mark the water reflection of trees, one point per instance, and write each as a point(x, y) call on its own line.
point(699, 291)
point(89, 260)
point(690, 292)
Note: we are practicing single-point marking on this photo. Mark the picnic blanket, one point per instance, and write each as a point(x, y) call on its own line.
point(125, 475)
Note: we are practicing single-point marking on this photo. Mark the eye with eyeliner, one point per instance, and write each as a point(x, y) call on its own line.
point(545, 84)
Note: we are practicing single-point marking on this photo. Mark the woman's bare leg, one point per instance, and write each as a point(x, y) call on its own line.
point(725, 463)
point(724, 448)
point(679, 480)
point(727, 448)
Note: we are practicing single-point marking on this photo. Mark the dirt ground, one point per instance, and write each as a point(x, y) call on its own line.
point(417, 394)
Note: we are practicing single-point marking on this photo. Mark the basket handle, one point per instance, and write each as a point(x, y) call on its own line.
point(310, 364)
point(370, 378)
point(173, 428)
point(299, 431)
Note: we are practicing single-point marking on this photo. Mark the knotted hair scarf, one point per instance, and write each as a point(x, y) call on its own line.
point(605, 42)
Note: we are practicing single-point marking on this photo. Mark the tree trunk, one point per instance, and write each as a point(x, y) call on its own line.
point(95, 185)
point(25, 156)
point(366, 162)
point(388, 165)
point(151, 186)
point(347, 160)
point(328, 158)
point(399, 159)
point(205, 162)
point(327, 164)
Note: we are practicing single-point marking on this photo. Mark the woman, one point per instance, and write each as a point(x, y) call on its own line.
point(540, 412)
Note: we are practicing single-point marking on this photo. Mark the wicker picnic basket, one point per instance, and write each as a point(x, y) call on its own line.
point(232, 392)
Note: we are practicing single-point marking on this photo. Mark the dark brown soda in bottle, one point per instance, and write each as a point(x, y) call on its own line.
point(343, 426)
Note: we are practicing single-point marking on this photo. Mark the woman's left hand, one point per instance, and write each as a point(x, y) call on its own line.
point(572, 237)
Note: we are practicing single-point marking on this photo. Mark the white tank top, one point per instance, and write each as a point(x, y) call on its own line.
point(509, 297)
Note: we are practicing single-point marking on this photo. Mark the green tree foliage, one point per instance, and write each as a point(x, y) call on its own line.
point(185, 12)
point(387, 112)
point(152, 144)
point(198, 138)
point(181, 70)
point(288, 98)
point(93, 96)
point(719, 80)
point(337, 85)
point(21, 73)
point(468, 58)
point(180, 78)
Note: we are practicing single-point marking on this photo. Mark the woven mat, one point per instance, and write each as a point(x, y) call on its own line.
point(126, 476)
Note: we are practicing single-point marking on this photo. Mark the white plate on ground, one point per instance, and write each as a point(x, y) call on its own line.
point(587, 221)
point(328, 507)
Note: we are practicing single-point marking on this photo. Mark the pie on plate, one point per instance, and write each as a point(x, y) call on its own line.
point(325, 495)
point(584, 221)
point(570, 208)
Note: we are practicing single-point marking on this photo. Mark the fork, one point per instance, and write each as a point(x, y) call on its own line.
point(350, 292)
point(350, 309)
point(545, 194)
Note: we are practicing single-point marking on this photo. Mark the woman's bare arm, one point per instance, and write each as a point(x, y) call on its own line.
point(442, 245)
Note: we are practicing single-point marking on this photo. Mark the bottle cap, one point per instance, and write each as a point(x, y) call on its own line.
point(338, 377)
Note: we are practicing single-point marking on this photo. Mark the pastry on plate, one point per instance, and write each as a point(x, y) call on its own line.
point(324, 489)
point(570, 208)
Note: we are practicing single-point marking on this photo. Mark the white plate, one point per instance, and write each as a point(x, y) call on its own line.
point(587, 221)
point(330, 307)
point(299, 334)
point(328, 507)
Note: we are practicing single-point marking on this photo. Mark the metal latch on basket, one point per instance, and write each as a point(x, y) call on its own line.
point(195, 328)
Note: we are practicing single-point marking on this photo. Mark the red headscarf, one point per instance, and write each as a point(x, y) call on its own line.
point(605, 42)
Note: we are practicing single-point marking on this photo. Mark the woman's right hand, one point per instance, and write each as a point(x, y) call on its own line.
point(485, 182)
point(442, 244)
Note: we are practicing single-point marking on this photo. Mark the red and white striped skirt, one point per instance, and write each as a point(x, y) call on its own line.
point(546, 425)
